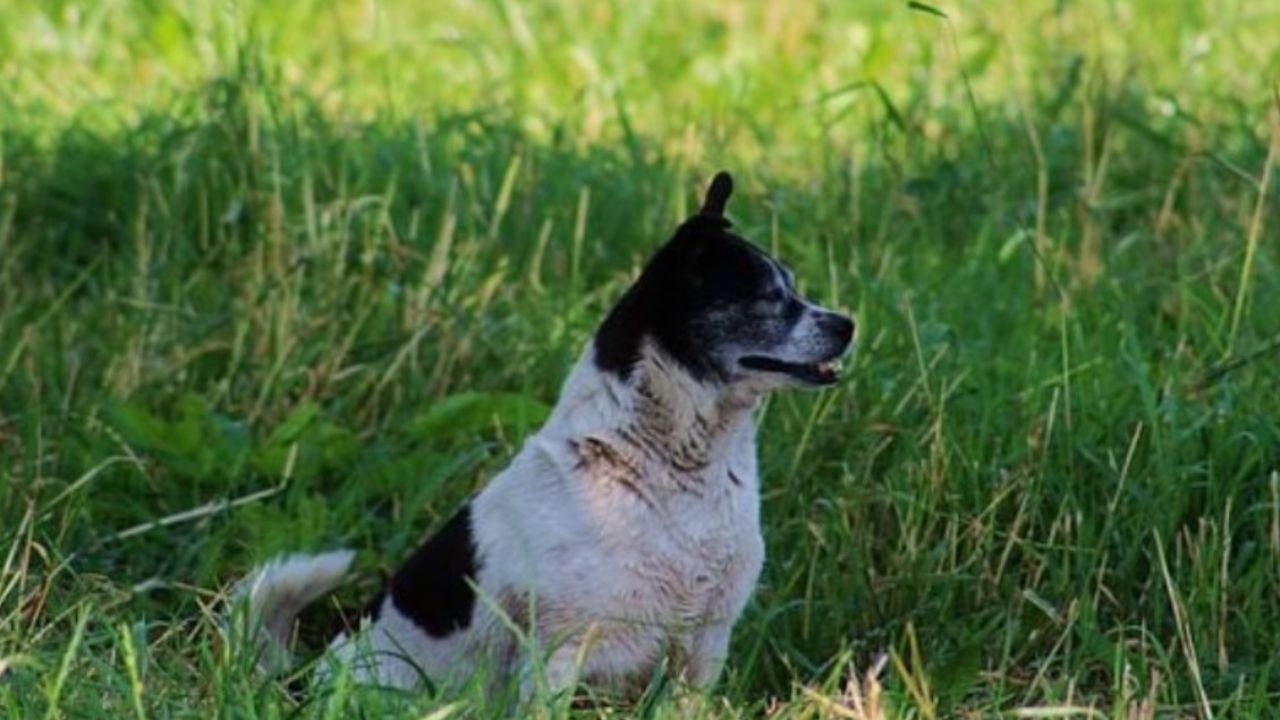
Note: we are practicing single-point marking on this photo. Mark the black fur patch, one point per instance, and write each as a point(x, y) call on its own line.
point(434, 586)
point(717, 195)
point(703, 268)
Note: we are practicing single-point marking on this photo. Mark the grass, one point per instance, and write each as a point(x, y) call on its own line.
point(281, 277)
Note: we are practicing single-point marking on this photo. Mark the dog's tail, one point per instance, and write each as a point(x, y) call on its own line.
point(276, 592)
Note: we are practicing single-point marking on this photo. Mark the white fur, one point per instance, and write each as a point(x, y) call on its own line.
point(624, 534)
point(279, 590)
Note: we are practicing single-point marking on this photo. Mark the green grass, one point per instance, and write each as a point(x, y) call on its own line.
point(290, 276)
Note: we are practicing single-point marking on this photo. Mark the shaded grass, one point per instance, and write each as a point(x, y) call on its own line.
point(231, 315)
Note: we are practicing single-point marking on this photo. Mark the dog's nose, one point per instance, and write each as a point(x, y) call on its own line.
point(838, 325)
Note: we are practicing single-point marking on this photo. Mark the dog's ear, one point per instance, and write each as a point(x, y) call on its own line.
point(717, 195)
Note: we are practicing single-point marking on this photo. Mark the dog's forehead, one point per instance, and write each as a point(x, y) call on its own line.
point(746, 262)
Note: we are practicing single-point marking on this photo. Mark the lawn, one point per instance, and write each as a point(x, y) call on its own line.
point(293, 276)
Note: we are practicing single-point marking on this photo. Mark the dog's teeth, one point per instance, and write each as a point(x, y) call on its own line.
point(829, 366)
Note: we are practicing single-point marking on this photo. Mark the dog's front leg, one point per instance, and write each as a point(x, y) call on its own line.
point(559, 672)
point(707, 648)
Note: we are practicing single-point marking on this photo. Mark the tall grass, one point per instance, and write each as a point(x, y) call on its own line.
point(292, 276)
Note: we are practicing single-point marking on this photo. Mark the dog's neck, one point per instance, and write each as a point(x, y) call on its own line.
point(658, 408)
point(672, 414)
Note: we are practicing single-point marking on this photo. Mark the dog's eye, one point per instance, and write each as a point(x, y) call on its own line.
point(774, 294)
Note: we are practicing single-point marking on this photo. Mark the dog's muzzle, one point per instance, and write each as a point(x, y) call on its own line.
point(837, 333)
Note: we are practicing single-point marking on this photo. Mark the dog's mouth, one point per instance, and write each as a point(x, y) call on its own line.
point(824, 372)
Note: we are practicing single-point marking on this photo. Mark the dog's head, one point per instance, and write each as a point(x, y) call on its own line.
point(724, 310)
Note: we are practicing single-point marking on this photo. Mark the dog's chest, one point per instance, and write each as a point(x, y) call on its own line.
point(692, 560)
point(692, 553)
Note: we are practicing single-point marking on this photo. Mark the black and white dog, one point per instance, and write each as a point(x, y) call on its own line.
point(626, 531)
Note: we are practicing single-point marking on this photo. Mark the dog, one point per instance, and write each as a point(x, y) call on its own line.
point(624, 537)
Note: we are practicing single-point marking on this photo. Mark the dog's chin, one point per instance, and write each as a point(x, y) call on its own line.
point(816, 374)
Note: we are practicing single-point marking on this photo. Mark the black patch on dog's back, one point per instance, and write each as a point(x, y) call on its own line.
point(434, 586)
